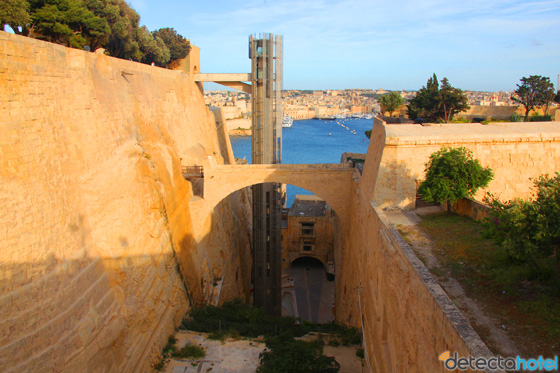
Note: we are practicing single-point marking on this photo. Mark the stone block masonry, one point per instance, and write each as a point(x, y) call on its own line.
point(98, 257)
point(382, 287)
point(516, 152)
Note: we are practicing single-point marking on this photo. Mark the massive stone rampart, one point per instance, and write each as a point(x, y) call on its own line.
point(383, 288)
point(96, 228)
point(516, 152)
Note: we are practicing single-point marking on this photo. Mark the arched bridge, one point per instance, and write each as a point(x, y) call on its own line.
point(331, 182)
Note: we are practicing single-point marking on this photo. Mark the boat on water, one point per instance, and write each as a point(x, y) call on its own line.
point(287, 121)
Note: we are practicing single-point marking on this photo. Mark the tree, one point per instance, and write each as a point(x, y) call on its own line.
point(14, 13)
point(453, 100)
point(152, 48)
point(534, 91)
point(435, 104)
point(549, 97)
point(426, 103)
point(178, 46)
point(452, 174)
point(66, 22)
point(529, 230)
point(391, 102)
point(124, 24)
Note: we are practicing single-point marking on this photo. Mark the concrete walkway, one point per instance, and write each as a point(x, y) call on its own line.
point(409, 217)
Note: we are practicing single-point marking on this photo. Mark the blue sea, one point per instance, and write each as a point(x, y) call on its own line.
point(314, 141)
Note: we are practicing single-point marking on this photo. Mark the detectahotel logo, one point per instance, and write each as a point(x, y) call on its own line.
point(452, 362)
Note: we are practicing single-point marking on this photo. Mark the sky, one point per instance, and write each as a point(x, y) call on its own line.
point(479, 45)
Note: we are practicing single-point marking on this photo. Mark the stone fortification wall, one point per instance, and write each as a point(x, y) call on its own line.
point(515, 152)
point(382, 287)
point(98, 257)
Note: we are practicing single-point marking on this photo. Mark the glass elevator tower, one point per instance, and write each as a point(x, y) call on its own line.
point(265, 52)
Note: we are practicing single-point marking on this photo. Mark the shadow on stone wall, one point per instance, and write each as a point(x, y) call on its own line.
point(75, 314)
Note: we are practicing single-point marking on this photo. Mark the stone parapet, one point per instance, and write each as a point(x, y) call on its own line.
point(516, 152)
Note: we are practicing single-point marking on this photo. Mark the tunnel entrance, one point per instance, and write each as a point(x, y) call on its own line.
point(307, 262)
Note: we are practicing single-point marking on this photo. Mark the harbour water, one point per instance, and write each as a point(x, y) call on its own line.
point(314, 141)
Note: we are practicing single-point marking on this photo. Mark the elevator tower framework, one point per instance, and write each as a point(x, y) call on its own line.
point(265, 52)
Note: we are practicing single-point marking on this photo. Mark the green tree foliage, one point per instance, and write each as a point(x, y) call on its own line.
point(111, 24)
point(124, 24)
point(391, 101)
point(285, 354)
point(453, 100)
point(426, 103)
point(533, 92)
point(452, 174)
point(66, 22)
point(529, 230)
point(14, 13)
point(153, 48)
point(178, 46)
point(435, 104)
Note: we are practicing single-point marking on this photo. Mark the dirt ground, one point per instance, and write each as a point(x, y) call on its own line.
point(243, 356)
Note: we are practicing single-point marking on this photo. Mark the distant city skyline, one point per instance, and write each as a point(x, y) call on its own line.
point(336, 44)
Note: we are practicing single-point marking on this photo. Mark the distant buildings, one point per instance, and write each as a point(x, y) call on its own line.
point(307, 104)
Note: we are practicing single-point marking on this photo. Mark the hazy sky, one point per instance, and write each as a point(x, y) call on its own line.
point(397, 44)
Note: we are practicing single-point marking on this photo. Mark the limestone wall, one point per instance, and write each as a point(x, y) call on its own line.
point(383, 288)
point(98, 257)
point(515, 152)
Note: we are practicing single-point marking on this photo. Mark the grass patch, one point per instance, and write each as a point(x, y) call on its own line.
point(509, 290)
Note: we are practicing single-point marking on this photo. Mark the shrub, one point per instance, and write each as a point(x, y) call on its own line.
point(540, 118)
point(452, 174)
point(529, 230)
point(190, 351)
point(515, 118)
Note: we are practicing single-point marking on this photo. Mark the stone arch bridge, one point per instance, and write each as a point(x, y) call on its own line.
point(331, 182)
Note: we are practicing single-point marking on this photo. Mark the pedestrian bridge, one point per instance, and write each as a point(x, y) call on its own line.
point(331, 182)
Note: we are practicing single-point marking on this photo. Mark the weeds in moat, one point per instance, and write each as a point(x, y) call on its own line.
point(284, 353)
point(189, 351)
point(235, 319)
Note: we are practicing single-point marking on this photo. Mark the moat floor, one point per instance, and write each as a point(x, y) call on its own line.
point(243, 356)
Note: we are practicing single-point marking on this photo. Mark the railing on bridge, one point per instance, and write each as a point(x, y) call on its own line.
point(196, 172)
